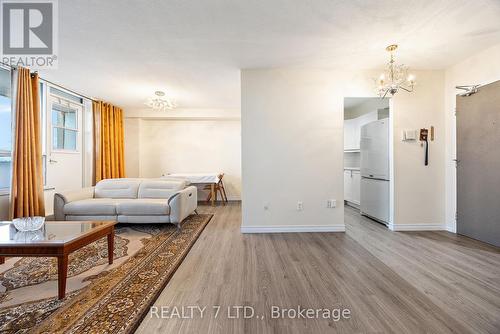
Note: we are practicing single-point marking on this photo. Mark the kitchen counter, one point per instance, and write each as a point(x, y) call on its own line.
point(351, 168)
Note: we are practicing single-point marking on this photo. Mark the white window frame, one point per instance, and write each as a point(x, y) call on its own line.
point(65, 102)
point(6, 190)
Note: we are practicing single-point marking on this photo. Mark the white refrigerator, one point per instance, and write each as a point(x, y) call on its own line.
point(374, 148)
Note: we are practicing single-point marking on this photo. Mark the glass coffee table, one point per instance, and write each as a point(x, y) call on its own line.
point(55, 239)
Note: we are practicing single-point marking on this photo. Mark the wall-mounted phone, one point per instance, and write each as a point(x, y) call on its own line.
point(424, 138)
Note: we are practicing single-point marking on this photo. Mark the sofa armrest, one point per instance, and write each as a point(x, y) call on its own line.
point(182, 204)
point(61, 199)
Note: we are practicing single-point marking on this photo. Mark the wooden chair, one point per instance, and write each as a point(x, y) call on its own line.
point(219, 187)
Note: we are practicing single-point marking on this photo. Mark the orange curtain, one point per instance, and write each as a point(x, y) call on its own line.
point(27, 179)
point(109, 160)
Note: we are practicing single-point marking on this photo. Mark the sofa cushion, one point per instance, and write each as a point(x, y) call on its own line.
point(117, 188)
point(143, 206)
point(93, 206)
point(160, 188)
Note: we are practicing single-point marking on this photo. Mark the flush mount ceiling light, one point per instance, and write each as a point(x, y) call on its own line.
point(395, 77)
point(161, 103)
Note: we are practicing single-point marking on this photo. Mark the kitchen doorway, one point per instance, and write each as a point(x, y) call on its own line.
point(368, 181)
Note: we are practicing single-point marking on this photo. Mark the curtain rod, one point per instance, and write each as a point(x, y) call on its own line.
point(69, 90)
point(53, 83)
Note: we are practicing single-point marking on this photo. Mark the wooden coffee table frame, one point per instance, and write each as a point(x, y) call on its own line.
point(61, 250)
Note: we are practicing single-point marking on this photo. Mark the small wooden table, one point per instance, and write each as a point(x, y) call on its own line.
point(55, 239)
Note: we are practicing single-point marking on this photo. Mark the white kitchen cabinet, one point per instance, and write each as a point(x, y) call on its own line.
point(347, 186)
point(356, 186)
point(350, 135)
point(352, 186)
point(352, 130)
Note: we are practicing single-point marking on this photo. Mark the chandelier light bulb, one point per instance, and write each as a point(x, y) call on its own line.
point(395, 77)
point(381, 80)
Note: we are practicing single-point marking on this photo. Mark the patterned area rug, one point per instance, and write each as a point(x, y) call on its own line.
point(101, 298)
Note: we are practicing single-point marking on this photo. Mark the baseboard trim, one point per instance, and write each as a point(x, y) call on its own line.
point(417, 227)
point(292, 229)
point(451, 228)
point(229, 199)
point(356, 206)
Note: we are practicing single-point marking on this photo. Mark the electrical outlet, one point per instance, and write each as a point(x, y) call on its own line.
point(331, 203)
point(300, 206)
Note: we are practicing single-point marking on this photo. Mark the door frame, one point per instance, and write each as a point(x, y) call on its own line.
point(391, 165)
point(390, 223)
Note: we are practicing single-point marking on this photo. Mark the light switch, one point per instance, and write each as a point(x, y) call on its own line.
point(408, 134)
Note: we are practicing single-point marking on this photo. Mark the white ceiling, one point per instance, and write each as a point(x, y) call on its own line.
point(122, 51)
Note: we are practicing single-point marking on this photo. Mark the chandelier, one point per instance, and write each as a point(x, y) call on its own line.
point(395, 77)
point(160, 103)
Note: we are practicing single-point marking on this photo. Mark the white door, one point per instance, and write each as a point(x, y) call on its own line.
point(64, 144)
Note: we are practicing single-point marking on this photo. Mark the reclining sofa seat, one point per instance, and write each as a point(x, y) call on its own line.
point(129, 201)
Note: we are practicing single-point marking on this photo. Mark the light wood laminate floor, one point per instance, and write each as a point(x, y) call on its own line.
point(392, 282)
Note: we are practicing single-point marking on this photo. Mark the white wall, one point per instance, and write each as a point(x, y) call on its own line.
point(419, 190)
point(292, 148)
point(192, 146)
point(185, 141)
point(185, 113)
point(131, 134)
point(482, 68)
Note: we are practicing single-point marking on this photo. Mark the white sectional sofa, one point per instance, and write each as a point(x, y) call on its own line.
point(129, 201)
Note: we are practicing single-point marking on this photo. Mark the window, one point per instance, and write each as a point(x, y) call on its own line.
point(64, 127)
point(5, 128)
point(61, 114)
